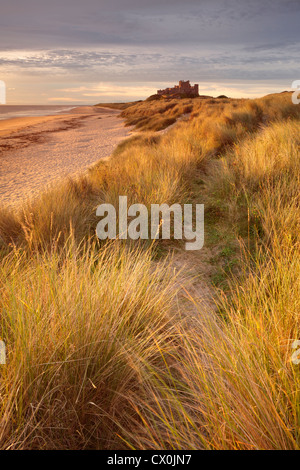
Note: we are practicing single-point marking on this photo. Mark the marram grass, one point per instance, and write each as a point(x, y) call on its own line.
point(102, 353)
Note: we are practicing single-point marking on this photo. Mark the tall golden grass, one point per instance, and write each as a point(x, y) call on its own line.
point(101, 350)
point(235, 386)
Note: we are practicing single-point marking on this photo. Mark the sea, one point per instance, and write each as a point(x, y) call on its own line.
point(15, 111)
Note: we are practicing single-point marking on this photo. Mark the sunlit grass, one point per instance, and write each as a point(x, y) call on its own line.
point(102, 352)
point(79, 327)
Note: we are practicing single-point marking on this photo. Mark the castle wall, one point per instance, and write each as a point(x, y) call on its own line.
point(184, 87)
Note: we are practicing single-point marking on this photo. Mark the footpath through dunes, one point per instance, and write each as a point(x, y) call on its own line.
point(36, 151)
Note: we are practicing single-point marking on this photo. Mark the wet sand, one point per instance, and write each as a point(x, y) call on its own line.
point(38, 151)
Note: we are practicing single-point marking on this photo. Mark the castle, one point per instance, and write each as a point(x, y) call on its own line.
point(184, 88)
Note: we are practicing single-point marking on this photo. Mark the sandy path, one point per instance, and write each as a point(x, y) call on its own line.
point(37, 151)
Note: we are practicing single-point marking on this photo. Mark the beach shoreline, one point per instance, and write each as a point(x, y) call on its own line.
point(19, 111)
point(41, 150)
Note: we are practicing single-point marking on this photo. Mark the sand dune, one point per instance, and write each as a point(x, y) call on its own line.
point(37, 151)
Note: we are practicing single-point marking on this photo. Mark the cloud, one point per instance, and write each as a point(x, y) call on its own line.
point(56, 43)
point(134, 65)
point(74, 23)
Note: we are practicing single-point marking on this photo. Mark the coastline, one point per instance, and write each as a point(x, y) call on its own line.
point(17, 124)
point(19, 111)
point(38, 151)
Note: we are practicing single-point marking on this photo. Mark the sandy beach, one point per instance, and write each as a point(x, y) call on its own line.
point(37, 151)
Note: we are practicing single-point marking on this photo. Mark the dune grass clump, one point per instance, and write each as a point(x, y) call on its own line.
point(259, 179)
point(79, 325)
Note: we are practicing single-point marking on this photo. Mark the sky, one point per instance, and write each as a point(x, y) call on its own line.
point(91, 51)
